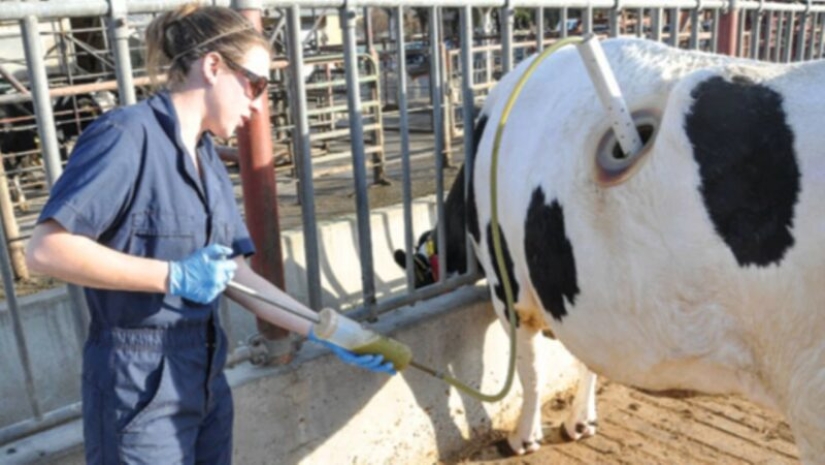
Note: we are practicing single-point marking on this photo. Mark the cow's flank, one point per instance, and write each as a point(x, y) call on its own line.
point(750, 178)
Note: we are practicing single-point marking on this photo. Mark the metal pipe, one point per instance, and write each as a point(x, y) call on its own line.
point(17, 10)
point(564, 17)
point(539, 29)
point(674, 27)
point(506, 15)
point(303, 154)
point(469, 106)
point(438, 137)
point(822, 36)
point(13, 80)
point(756, 26)
point(260, 194)
point(801, 35)
point(40, 95)
point(427, 292)
point(695, 27)
point(777, 47)
point(348, 16)
point(714, 42)
point(48, 420)
point(788, 45)
point(656, 19)
point(119, 32)
point(404, 128)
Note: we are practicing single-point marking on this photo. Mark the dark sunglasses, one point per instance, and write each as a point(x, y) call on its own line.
point(257, 83)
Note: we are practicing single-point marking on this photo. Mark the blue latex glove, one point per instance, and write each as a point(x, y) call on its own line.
point(202, 276)
point(372, 362)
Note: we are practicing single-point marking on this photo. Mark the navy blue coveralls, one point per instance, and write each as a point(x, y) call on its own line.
point(154, 391)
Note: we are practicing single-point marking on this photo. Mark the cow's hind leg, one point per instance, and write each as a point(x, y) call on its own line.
point(528, 434)
point(582, 421)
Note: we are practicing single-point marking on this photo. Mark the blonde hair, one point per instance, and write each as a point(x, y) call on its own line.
point(180, 37)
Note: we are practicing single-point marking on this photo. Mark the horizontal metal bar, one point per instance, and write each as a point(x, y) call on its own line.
point(50, 419)
point(16, 10)
point(427, 292)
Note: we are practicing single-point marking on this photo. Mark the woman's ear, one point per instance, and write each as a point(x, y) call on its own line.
point(210, 67)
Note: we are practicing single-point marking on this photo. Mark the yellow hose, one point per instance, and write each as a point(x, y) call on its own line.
point(496, 238)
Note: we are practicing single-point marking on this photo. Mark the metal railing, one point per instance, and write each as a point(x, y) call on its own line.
point(764, 30)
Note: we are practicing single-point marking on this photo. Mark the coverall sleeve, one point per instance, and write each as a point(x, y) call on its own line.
point(94, 190)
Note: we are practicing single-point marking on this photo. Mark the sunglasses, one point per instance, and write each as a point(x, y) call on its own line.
point(257, 83)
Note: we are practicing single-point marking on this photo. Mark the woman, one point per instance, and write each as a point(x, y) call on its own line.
point(144, 218)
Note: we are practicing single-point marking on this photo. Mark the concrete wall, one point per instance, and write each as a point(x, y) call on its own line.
point(317, 410)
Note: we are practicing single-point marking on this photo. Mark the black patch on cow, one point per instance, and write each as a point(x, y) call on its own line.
point(750, 177)
point(508, 265)
point(549, 255)
point(472, 212)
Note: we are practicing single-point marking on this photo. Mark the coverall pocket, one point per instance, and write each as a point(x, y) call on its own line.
point(144, 395)
point(163, 236)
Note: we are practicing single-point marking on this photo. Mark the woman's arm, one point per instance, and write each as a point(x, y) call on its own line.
point(245, 276)
point(79, 260)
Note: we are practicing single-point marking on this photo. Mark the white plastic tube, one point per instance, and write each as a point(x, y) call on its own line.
point(610, 95)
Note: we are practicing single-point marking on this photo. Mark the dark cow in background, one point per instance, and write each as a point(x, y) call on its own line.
point(19, 139)
point(702, 271)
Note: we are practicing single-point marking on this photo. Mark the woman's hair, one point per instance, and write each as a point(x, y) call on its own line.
point(180, 37)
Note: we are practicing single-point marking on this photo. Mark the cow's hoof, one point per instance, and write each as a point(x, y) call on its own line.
point(579, 430)
point(519, 447)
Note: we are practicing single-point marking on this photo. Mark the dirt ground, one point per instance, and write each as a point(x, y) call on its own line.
point(636, 428)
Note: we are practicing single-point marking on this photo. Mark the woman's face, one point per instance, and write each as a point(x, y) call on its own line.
point(235, 96)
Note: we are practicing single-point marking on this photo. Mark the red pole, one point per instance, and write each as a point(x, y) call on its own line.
point(728, 27)
point(260, 195)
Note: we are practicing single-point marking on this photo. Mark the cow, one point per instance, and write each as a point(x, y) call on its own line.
point(693, 265)
point(19, 145)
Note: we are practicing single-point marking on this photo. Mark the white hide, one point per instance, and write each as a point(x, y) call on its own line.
point(663, 303)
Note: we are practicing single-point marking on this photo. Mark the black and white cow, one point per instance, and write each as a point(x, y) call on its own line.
point(702, 270)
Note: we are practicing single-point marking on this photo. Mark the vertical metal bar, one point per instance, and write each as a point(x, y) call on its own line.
point(674, 27)
point(539, 29)
point(300, 144)
point(119, 30)
point(260, 191)
point(587, 20)
point(507, 12)
point(19, 335)
point(657, 20)
point(789, 37)
point(370, 43)
point(801, 35)
point(40, 95)
point(563, 26)
point(348, 17)
point(469, 104)
point(777, 47)
point(809, 54)
point(695, 27)
point(404, 128)
point(756, 26)
point(822, 36)
point(640, 23)
point(438, 135)
point(740, 35)
point(714, 42)
point(614, 21)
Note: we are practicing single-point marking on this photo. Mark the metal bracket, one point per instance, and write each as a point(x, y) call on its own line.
point(118, 12)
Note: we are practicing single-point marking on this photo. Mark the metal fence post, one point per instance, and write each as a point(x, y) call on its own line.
point(260, 191)
point(303, 154)
point(348, 17)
